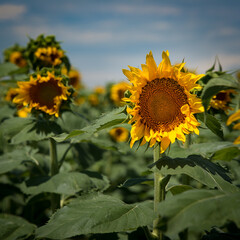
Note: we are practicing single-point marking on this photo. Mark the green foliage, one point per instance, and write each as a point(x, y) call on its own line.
point(199, 210)
point(113, 118)
point(13, 227)
point(197, 167)
point(99, 214)
point(212, 123)
point(67, 183)
point(12, 160)
point(7, 69)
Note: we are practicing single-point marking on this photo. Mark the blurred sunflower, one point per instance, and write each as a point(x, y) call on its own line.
point(119, 134)
point(162, 102)
point(17, 58)
point(117, 92)
point(234, 117)
point(11, 94)
point(93, 99)
point(222, 100)
point(75, 78)
point(50, 55)
point(44, 93)
point(99, 90)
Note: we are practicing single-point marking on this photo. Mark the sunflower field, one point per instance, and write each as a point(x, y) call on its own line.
point(156, 156)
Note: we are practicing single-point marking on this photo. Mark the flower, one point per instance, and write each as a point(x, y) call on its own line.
point(11, 94)
point(74, 77)
point(50, 55)
point(99, 90)
point(93, 99)
point(234, 117)
point(16, 57)
point(117, 92)
point(44, 93)
point(119, 134)
point(222, 99)
point(162, 102)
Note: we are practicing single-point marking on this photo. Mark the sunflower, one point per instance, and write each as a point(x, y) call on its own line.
point(234, 117)
point(162, 102)
point(11, 94)
point(50, 55)
point(74, 77)
point(93, 99)
point(119, 134)
point(44, 93)
point(222, 100)
point(16, 57)
point(117, 92)
point(99, 90)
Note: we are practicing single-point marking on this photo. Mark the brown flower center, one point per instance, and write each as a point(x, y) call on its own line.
point(44, 93)
point(222, 96)
point(160, 104)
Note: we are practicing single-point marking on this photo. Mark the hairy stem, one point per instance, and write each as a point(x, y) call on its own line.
point(160, 183)
point(55, 198)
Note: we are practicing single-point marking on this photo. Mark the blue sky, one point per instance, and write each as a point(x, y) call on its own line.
point(102, 37)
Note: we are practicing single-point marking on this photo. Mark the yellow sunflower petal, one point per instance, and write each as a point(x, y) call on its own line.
point(237, 140)
point(236, 126)
point(164, 144)
point(234, 117)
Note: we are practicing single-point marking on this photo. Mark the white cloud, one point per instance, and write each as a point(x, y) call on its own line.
point(142, 9)
point(10, 11)
point(76, 35)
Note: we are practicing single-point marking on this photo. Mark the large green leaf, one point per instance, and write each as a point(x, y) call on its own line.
point(11, 160)
point(36, 130)
point(199, 168)
point(107, 120)
point(101, 214)
point(13, 227)
point(226, 154)
point(7, 68)
point(134, 181)
point(66, 183)
point(216, 85)
point(13, 126)
point(212, 123)
point(206, 149)
point(28, 129)
point(199, 210)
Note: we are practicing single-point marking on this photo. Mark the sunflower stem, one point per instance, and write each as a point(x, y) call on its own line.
point(55, 198)
point(188, 141)
point(160, 183)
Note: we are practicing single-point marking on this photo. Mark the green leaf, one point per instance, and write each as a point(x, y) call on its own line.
point(12, 126)
point(134, 181)
point(215, 85)
point(199, 210)
point(179, 189)
point(107, 120)
point(7, 68)
point(66, 183)
point(11, 160)
point(199, 168)
point(101, 214)
point(36, 130)
point(212, 123)
point(13, 227)
point(206, 149)
point(226, 154)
